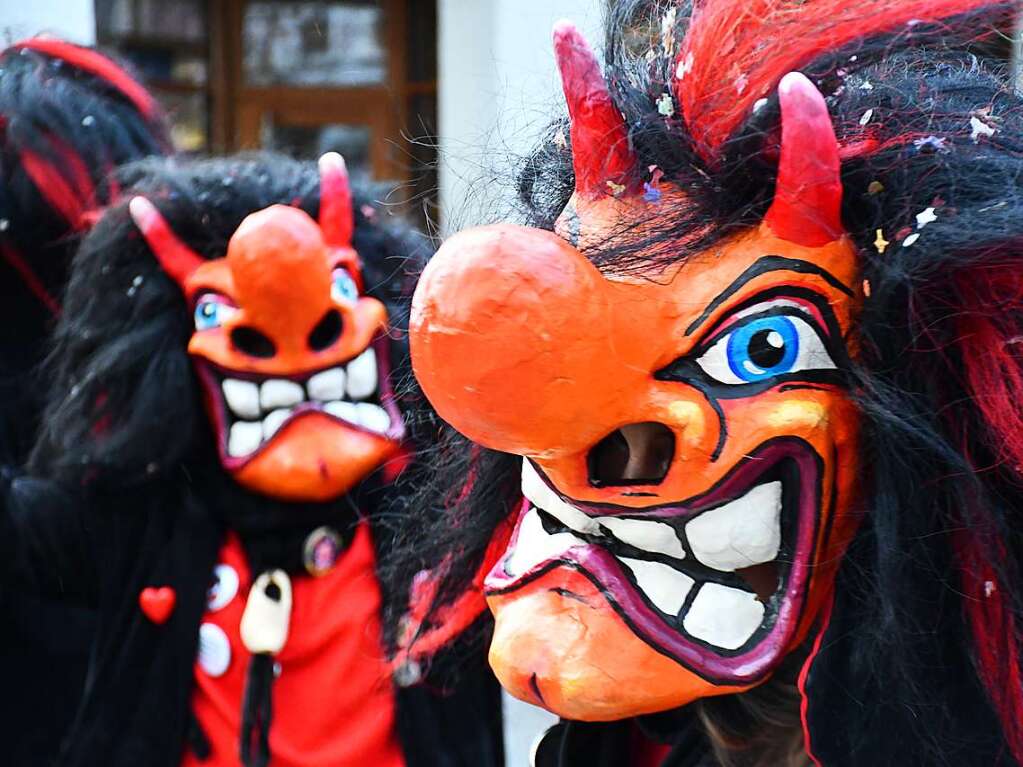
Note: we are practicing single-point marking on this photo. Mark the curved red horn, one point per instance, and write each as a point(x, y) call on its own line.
point(177, 259)
point(600, 141)
point(807, 207)
point(337, 220)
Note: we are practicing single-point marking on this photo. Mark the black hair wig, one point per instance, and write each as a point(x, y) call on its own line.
point(921, 662)
point(68, 117)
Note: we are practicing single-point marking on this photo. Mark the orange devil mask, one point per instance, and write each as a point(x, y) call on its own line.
point(689, 448)
point(290, 354)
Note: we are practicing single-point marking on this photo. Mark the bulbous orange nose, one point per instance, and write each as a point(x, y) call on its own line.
point(513, 342)
point(278, 259)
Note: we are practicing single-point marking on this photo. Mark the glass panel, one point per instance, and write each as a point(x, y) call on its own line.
point(189, 121)
point(313, 43)
point(310, 141)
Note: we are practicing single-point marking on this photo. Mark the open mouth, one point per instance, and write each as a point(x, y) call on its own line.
point(253, 409)
point(716, 582)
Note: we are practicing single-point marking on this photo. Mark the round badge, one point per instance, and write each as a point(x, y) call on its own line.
point(222, 588)
point(321, 551)
point(214, 649)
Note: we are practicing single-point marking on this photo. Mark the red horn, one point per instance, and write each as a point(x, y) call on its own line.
point(177, 259)
point(336, 217)
point(807, 207)
point(600, 141)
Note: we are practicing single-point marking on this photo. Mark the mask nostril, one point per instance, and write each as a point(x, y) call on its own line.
point(636, 454)
point(253, 343)
point(327, 331)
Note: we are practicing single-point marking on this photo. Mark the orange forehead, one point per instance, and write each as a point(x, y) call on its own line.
point(277, 257)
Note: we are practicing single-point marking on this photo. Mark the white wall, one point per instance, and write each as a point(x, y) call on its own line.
point(498, 90)
point(73, 20)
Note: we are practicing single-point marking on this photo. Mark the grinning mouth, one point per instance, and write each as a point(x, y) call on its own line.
point(716, 582)
point(253, 409)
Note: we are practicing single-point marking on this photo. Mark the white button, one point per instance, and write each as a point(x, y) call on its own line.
point(223, 588)
point(214, 649)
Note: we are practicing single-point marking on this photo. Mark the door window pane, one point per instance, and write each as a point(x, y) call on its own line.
point(314, 44)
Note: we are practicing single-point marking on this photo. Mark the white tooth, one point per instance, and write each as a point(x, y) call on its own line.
point(739, 534)
point(373, 417)
point(277, 393)
point(244, 438)
point(540, 494)
point(346, 411)
point(362, 375)
point(534, 545)
point(242, 397)
point(648, 535)
point(723, 616)
point(274, 421)
point(666, 587)
point(328, 385)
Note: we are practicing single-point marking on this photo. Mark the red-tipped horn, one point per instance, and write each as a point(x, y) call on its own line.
point(177, 259)
point(337, 219)
point(600, 141)
point(807, 207)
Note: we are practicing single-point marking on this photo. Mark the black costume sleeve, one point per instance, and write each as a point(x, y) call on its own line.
point(46, 544)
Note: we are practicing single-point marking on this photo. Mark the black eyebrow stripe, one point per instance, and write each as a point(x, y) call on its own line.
point(763, 265)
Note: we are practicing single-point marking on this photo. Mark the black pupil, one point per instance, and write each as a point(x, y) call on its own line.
point(766, 349)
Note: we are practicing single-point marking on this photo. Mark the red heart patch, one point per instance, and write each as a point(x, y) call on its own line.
point(157, 603)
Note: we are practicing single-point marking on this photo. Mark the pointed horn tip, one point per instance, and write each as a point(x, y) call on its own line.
point(564, 29)
point(141, 210)
point(332, 160)
point(796, 85)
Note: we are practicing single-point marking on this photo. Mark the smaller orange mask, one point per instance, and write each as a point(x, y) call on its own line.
point(291, 355)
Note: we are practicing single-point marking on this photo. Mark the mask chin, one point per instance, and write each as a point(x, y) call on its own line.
point(558, 643)
point(314, 458)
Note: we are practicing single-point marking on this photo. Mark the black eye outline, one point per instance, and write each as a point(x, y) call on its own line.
point(686, 369)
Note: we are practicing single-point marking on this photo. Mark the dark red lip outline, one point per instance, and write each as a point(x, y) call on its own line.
point(765, 649)
point(211, 386)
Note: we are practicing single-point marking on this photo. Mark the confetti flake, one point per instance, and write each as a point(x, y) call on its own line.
point(866, 283)
point(880, 242)
point(560, 139)
point(616, 189)
point(866, 117)
point(665, 105)
point(685, 66)
point(989, 588)
point(875, 187)
point(758, 105)
point(980, 128)
point(925, 217)
point(911, 240)
point(933, 143)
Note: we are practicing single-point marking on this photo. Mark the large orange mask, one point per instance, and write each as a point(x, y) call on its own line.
point(291, 355)
point(689, 448)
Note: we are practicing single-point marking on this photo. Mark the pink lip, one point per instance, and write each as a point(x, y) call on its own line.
point(211, 384)
point(765, 649)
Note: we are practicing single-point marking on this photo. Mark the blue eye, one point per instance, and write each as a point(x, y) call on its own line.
point(343, 287)
point(211, 312)
point(763, 348)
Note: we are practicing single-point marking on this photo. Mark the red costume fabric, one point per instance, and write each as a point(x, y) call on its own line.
point(333, 697)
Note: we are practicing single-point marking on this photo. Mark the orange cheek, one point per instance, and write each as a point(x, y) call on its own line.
point(828, 421)
point(314, 459)
point(559, 644)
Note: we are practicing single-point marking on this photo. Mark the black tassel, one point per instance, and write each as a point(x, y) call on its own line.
point(257, 711)
point(197, 740)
